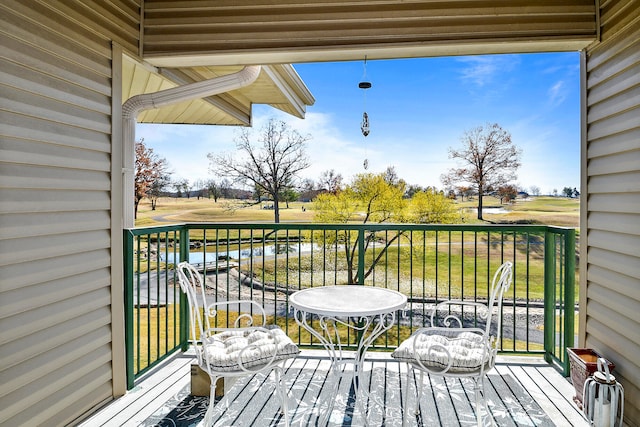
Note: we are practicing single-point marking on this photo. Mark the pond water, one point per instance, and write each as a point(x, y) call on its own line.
point(199, 257)
point(492, 210)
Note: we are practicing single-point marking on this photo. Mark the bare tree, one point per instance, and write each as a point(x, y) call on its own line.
point(157, 189)
point(331, 181)
point(199, 187)
point(213, 189)
point(180, 185)
point(489, 160)
point(149, 169)
point(535, 190)
point(507, 193)
point(270, 166)
point(307, 184)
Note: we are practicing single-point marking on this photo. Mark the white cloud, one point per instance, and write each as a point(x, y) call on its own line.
point(557, 93)
point(483, 70)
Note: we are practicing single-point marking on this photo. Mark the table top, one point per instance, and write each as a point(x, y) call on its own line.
point(348, 300)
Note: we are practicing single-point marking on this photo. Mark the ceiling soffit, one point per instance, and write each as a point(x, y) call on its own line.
point(287, 31)
point(279, 86)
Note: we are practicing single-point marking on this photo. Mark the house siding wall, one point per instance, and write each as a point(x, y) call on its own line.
point(611, 211)
point(56, 228)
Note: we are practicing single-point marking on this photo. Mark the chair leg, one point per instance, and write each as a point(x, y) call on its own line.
point(208, 416)
point(405, 403)
point(481, 402)
point(419, 392)
point(284, 406)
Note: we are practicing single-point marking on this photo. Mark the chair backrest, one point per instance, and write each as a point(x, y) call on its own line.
point(190, 281)
point(453, 313)
point(501, 282)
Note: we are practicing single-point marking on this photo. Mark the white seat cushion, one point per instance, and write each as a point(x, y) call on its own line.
point(224, 350)
point(468, 351)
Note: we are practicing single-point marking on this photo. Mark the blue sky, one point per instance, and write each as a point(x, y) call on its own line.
point(417, 108)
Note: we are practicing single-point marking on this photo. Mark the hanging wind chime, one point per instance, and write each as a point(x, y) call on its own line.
point(364, 126)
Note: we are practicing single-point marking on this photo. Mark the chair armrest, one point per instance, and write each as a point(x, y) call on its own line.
point(452, 312)
point(246, 309)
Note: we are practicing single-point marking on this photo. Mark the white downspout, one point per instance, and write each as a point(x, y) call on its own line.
point(134, 105)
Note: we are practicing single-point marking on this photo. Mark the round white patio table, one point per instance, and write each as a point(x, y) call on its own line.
point(367, 310)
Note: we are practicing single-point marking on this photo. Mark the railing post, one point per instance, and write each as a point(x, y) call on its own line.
point(361, 249)
point(128, 306)
point(549, 295)
point(184, 304)
point(569, 296)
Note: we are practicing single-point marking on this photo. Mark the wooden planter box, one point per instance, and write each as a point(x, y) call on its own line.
point(201, 383)
point(583, 363)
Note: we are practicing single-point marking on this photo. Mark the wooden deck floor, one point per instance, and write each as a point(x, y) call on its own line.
point(521, 391)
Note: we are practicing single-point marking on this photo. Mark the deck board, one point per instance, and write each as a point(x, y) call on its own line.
point(119, 412)
point(521, 391)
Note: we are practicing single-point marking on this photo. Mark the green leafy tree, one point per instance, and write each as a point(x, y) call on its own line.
point(488, 160)
point(368, 199)
point(432, 207)
point(289, 195)
point(374, 198)
point(570, 192)
point(411, 190)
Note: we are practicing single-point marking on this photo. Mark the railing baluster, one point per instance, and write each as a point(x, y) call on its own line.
point(334, 240)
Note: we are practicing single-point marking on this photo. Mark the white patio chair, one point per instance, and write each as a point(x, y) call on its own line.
point(450, 347)
point(249, 347)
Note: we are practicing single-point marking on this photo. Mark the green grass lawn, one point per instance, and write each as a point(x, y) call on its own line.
point(559, 211)
point(172, 210)
point(544, 210)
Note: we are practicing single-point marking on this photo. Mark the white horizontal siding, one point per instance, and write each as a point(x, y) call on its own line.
point(626, 182)
point(23, 225)
point(615, 202)
point(621, 242)
point(626, 223)
point(39, 153)
point(614, 144)
point(611, 282)
point(14, 126)
point(23, 299)
point(35, 272)
point(56, 241)
point(38, 200)
point(615, 281)
point(615, 163)
point(58, 245)
point(614, 261)
point(40, 177)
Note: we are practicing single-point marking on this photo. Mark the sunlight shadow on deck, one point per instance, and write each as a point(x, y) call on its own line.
point(252, 402)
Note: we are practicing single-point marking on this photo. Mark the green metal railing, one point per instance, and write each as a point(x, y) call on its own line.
point(428, 263)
